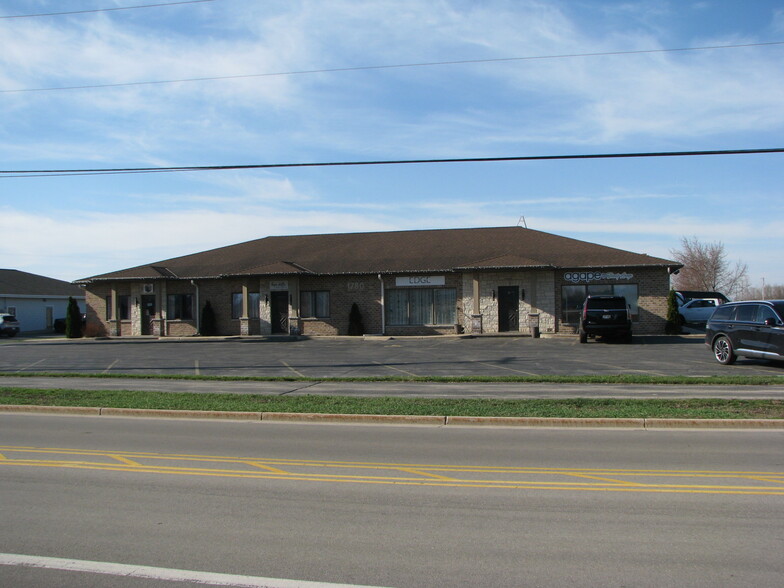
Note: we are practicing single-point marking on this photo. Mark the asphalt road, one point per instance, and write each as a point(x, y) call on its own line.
point(388, 506)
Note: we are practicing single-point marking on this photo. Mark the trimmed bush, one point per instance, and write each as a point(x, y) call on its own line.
point(73, 320)
point(355, 325)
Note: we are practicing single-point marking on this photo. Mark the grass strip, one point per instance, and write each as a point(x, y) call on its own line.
point(641, 379)
point(555, 408)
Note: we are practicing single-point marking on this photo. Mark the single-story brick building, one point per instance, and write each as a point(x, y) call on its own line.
point(482, 280)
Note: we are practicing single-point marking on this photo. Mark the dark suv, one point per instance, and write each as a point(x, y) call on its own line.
point(607, 316)
point(750, 329)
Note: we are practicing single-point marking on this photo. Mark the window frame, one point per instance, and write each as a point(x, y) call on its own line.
point(315, 304)
point(412, 307)
point(179, 307)
point(124, 307)
point(596, 290)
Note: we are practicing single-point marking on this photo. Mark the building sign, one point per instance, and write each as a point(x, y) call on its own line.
point(576, 277)
point(279, 285)
point(404, 281)
point(356, 286)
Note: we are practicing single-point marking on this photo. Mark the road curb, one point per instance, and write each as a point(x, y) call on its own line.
point(432, 420)
point(544, 422)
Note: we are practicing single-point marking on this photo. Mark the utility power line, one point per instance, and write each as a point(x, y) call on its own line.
point(393, 66)
point(150, 170)
point(103, 9)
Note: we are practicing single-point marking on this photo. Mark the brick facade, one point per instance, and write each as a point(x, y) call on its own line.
point(653, 286)
point(539, 298)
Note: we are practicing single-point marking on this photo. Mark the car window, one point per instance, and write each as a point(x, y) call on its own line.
point(747, 313)
point(766, 313)
point(779, 306)
point(615, 303)
point(724, 313)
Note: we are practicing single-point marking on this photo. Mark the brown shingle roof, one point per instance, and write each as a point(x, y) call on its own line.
point(19, 283)
point(392, 252)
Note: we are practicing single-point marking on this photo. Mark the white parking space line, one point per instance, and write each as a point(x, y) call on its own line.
point(196, 367)
point(111, 365)
point(154, 573)
point(395, 369)
point(300, 374)
point(27, 367)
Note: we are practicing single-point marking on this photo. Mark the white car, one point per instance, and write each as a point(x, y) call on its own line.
point(8, 324)
point(698, 310)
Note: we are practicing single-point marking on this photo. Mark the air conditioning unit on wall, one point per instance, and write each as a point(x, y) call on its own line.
point(148, 288)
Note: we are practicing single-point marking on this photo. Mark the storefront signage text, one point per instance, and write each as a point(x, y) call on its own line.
point(420, 281)
point(279, 285)
point(576, 277)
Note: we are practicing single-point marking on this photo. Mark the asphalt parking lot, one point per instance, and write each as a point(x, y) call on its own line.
point(372, 357)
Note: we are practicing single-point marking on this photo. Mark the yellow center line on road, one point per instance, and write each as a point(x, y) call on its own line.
point(125, 460)
point(771, 479)
point(601, 479)
point(519, 478)
point(262, 466)
point(426, 474)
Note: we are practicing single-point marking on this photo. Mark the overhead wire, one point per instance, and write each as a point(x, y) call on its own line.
point(72, 12)
point(147, 170)
point(390, 66)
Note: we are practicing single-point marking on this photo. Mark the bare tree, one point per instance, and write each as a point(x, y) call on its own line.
point(769, 292)
point(705, 267)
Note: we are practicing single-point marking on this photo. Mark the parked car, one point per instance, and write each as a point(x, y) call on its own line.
point(605, 316)
point(8, 324)
point(59, 324)
point(753, 328)
point(698, 310)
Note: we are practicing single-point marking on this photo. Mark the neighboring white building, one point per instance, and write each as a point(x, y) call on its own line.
point(35, 300)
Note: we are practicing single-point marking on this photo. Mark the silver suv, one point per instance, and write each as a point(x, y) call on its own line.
point(754, 328)
point(8, 324)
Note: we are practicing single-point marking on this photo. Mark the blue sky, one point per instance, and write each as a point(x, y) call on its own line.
point(74, 227)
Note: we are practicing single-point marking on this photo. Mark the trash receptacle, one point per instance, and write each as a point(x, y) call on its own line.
point(533, 324)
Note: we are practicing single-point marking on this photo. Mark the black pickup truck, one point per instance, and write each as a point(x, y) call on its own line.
point(606, 316)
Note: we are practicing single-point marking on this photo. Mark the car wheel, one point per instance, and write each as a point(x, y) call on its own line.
point(583, 337)
point(723, 352)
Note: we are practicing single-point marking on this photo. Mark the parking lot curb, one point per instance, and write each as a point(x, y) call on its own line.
point(432, 420)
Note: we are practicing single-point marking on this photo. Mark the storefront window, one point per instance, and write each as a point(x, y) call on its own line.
point(124, 302)
point(253, 305)
point(572, 298)
point(421, 306)
point(314, 304)
point(179, 307)
point(254, 300)
point(236, 305)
